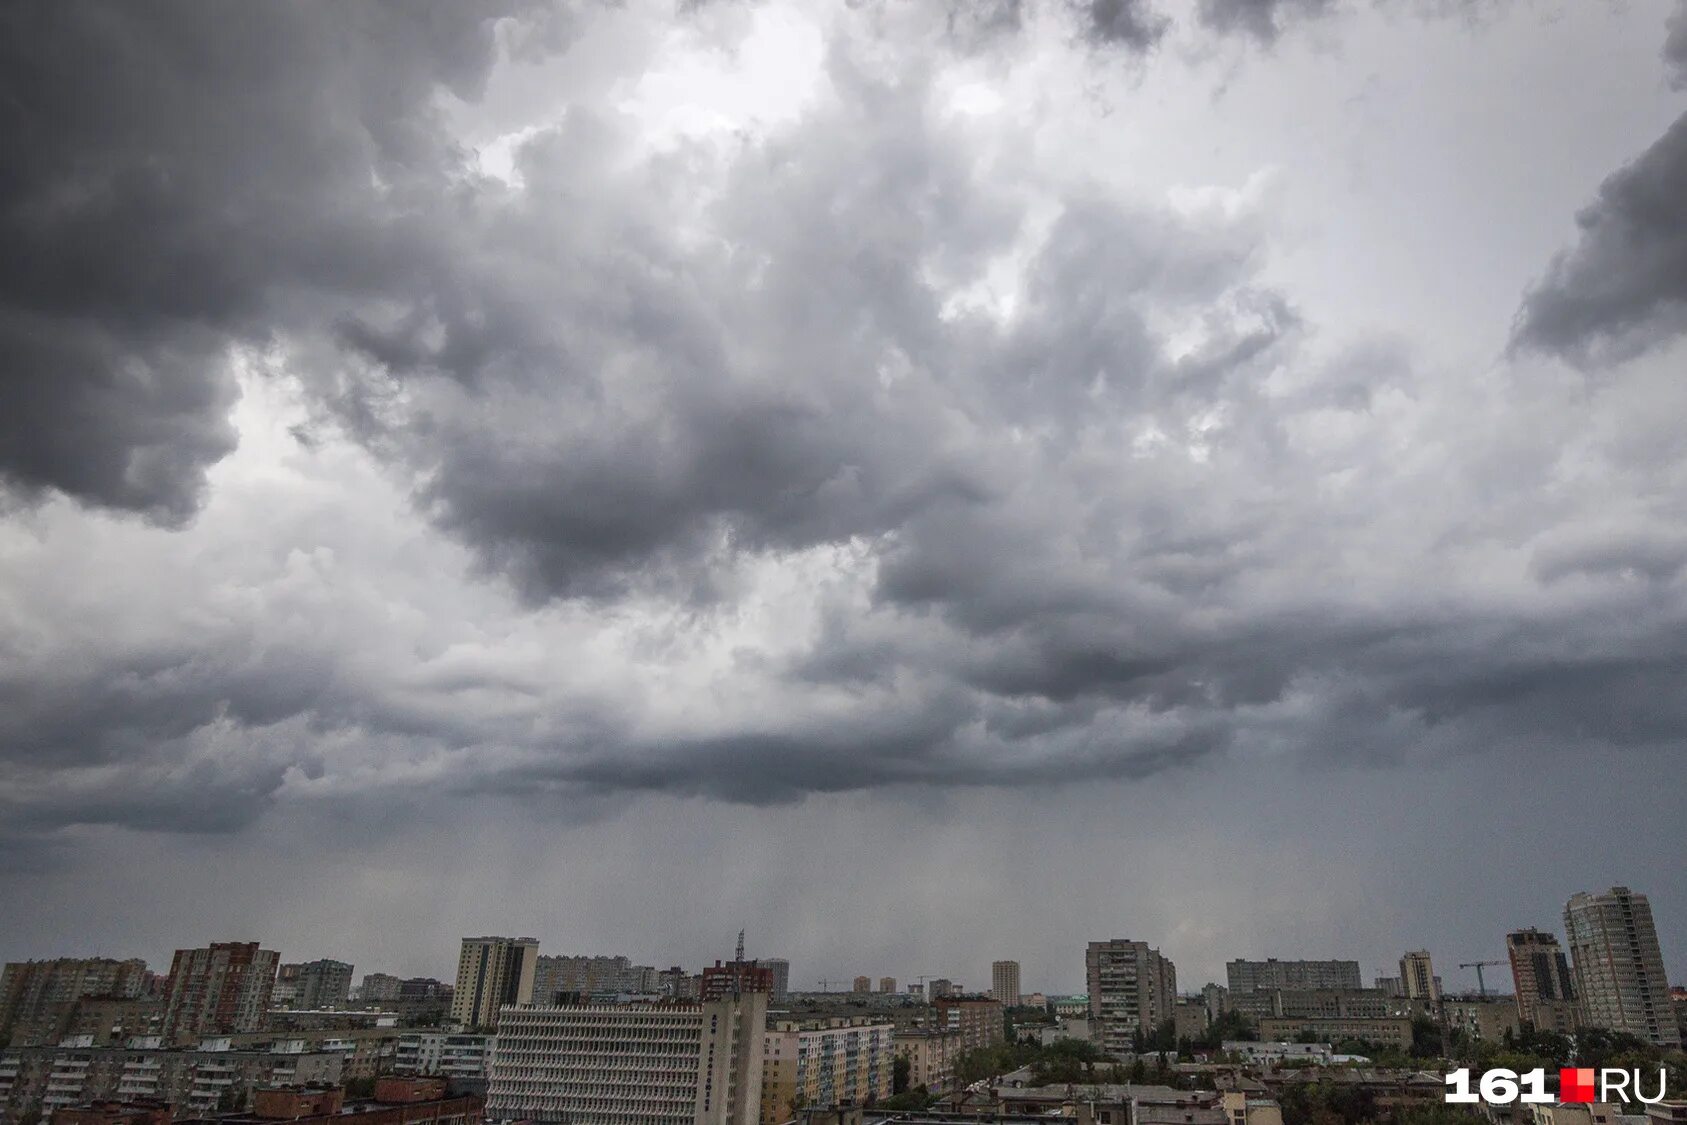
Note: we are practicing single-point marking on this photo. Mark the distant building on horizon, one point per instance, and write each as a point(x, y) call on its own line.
point(781, 970)
point(1618, 965)
point(938, 987)
point(379, 988)
point(1004, 982)
point(492, 972)
point(323, 983)
point(1131, 989)
point(862, 984)
point(887, 984)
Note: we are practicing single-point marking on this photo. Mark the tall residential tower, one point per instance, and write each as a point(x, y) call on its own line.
point(1618, 967)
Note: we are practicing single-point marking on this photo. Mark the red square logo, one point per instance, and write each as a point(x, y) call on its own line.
point(1575, 1084)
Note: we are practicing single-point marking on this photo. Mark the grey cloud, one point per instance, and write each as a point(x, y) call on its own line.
point(1622, 288)
point(1133, 24)
point(1264, 20)
point(1675, 46)
point(172, 174)
point(1124, 523)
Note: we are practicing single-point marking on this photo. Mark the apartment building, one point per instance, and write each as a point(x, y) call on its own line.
point(444, 1053)
point(43, 1079)
point(825, 1063)
point(38, 998)
point(1322, 1003)
point(781, 970)
point(630, 1064)
point(1488, 1019)
point(379, 988)
point(1541, 980)
point(323, 984)
point(492, 972)
point(977, 1019)
point(1263, 976)
point(1618, 966)
point(1387, 1032)
point(1418, 979)
point(931, 1053)
point(221, 989)
point(1131, 988)
point(1004, 982)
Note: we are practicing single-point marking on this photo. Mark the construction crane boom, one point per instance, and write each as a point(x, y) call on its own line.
point(1481, 985)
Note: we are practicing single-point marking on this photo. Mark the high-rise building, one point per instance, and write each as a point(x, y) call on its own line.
point(1618, 966)
point(939, 987)
point(323, 984)
point(1263, 976)
point(1417, 977)
point(887, 984)
point(379, 988)
point(1004, 982)
point(825, 1063)
point(491, 973)
point(221, 989)
point(781, 970)
point(1540, 975)
point(37, 998)
point(863, 984)
point(631, 1064)
point(1131, 988)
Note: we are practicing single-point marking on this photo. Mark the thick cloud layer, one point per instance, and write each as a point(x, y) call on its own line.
point(174, 177)
point(1623, 287)
point(583, 408)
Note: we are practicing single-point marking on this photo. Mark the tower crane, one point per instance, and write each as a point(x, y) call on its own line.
point(1481, 985)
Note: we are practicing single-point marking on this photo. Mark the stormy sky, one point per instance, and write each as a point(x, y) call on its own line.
point(923, 483)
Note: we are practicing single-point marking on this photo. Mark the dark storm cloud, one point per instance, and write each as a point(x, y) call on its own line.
point(172, 174)
point(1118, 523)
point(1622, 288)
point(1675, 45)
point(1264, 20)
point(1133, 24)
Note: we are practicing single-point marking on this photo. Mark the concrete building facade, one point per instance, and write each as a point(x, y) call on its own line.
point(492, 973)
point(38, 999)
point(324, 984)
point(631, 1064)
point(1618, 966)
point(825, 1063)
point(1131, 989)
point(1417, 977)
point(222, 989)
point(1541, 980)
point(1263, 976)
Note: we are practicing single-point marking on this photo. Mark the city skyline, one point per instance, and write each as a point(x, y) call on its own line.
point(1447, 969)
point(924, 482)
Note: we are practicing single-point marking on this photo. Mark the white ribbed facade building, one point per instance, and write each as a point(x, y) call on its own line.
point(1619, 968)
point(630, 1064)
